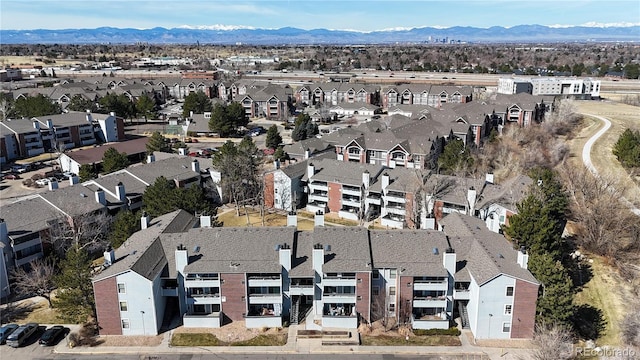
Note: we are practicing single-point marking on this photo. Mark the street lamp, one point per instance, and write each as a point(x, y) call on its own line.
point(142, 316)
point(489, 333)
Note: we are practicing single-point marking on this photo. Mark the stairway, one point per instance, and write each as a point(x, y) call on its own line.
point(295, 310)
point(464, 315)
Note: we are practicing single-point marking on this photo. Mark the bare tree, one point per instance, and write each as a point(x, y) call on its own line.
point(552, 342)
point(87, 231)
point(604, 223)
point(36, 281)
point(630, 327)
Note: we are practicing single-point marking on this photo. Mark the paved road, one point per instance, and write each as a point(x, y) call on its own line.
point(257, 357)
point(586, 156)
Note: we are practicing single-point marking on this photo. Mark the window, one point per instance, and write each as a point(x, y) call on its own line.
point(375, 291)
point(376, 274)
point(125, 323)
point(509, 290)
point(392, 307)
point(123, 306)
point(506, 327)
point(393, 273)
point(121, 289)
point(507, 309)
point(392, 290)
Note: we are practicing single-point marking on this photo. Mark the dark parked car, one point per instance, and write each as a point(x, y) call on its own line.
point(21, 334)
point(52, 335)
point(5, 331)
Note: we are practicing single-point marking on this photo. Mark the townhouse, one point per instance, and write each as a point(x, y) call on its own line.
point(333, 94)
point(271, 102)
point(428, 95)
point(331, 277)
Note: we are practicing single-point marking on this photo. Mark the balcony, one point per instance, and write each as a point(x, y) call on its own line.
point(203, 299)
point(351, 201)
point(395, 197)
point(430, 285)
point(89, 141)
point(296, 290)
point(398, 211)
point(351, 214)
point(430, 302)
point(318, 185)
point(339, 298)
point(316, 206)
point(212, 320)
point(430, 322)
point(353, 191)
point(202, 280)
point(461, 294)
point(266, 280)
point(260, 298)
point(318, 197)
point(344, 279)
point(392, 221)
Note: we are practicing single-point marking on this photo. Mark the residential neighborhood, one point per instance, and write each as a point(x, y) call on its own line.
point(288, 199)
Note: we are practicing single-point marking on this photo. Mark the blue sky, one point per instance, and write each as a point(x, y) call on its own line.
point(358, 15)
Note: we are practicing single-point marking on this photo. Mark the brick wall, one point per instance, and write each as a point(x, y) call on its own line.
point(524, 310)
point(363, 295)
point(335, 196)
point(107, 306)
point(74, 132)
point(233, 288)
point(405, 302)
point(268, 190)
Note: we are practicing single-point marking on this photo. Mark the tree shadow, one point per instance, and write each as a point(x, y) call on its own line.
point(588, 322)
point(16, 311)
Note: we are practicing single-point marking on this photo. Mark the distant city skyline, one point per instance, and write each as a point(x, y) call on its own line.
point(358, 15)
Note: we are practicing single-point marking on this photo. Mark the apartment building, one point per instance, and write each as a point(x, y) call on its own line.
point(31, 137)
point(271, 102)
point(580, 88)
point(331, 277)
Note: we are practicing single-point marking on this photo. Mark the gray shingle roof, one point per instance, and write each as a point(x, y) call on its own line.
point(411, 250)
point(132, 255)
point(73, 200)
point(252, 249)
point(348, 173)
point(349, 248)
point(19, 126)
point(172, 168)
point(28, 215)
point(488, 254)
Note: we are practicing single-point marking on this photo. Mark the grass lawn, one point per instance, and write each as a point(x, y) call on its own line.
point(229, 219)
point(603, 292)
point(197, 339)
point(434, 340)
point(263, 340)
point(202, 339)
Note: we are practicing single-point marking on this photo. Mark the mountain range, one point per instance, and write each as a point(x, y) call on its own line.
point(289, 35)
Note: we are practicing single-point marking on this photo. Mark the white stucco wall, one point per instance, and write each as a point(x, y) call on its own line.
point(141, 311)
point(490, 315)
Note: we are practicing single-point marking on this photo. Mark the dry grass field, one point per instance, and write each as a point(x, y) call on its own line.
point(29, 61)
point(622, 117)
point(229, 219)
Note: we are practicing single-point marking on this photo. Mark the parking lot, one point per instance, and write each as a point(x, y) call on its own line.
point(30, 349)
point(13, 188)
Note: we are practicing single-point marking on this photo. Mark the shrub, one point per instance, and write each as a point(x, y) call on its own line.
point(429, 332)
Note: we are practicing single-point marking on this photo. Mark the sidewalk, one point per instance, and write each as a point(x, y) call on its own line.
point(306, 346)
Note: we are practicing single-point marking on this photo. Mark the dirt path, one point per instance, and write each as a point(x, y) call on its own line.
point(622, 117)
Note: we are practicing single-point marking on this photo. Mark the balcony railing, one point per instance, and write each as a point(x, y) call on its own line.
point(211, 295)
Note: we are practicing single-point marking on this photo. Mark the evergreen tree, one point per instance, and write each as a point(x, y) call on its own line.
point(145, 107)
point(300, 129)
point(112, 160)
point(198, 102)
point(225, 119)
point(120, 104)
point(555, 303)
point(627, 148)
point(34, 106)
point(160, 198)
point(157, 142)
point(74, 301)
point(273, 139)
point(311, 130)
point(280, 154)
point(455, 156)
point(87, 172)
point(124, 225)
point(80, 103)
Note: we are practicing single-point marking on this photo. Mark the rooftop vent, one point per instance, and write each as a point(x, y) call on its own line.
point(83, 195)
point(327, 248)
point(196, 249)
point(435, 251)
point(276, 247)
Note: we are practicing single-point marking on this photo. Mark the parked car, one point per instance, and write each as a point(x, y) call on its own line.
point(12, 176)
point(67, 175)
point(43, 182)
point(52, 335)
point(5, 331)
point(21, 334)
